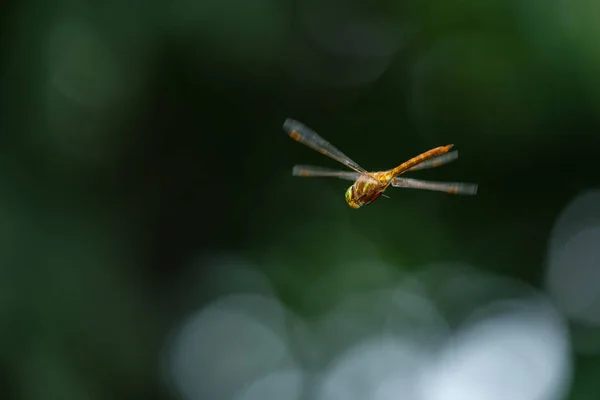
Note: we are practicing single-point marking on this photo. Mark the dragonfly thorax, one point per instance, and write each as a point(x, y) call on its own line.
point(363, 192)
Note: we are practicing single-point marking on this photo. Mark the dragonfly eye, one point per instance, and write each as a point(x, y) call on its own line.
point(350, 197)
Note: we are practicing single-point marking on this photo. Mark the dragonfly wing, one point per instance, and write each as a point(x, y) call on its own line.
point(303, 134)
point(315, 172)
point(448, 187)
point(436, 162)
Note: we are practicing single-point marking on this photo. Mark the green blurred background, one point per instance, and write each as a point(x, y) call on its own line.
point(139, 138)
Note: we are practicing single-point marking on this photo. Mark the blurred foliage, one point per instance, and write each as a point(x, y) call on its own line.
point(138, 136)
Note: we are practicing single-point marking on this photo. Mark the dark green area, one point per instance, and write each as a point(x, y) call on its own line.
point(104, 205)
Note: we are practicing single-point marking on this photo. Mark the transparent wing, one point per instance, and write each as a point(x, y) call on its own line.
point(315, 172)
point(303, 134)
point(436, 162)
point(448, 187)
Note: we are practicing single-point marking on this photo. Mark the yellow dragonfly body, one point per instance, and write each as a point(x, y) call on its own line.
point(369, 186)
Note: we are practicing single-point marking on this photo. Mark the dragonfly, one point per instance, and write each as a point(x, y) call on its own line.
point(369, 186)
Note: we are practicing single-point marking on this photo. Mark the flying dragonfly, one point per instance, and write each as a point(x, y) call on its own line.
point(369, 186)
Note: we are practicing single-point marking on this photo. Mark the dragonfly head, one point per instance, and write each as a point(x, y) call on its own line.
point(350, 198)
